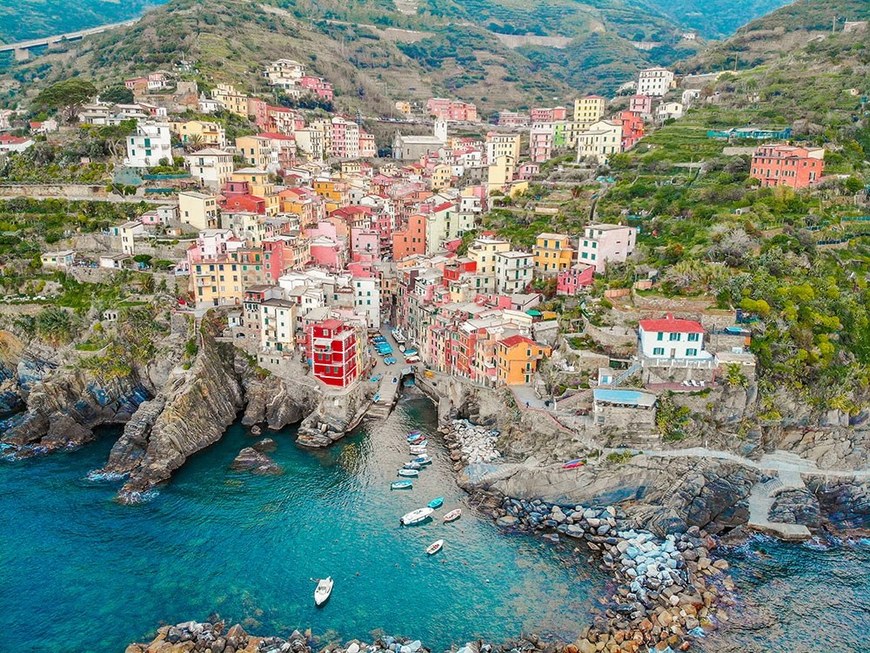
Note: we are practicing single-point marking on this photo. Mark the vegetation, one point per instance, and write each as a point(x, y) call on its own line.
point(66, 97)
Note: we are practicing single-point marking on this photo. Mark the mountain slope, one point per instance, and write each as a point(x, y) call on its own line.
point(715, 19)
point(20, 21)
point(781, 32)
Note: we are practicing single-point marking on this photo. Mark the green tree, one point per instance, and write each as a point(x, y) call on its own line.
point(66, 97)
point(117, 94)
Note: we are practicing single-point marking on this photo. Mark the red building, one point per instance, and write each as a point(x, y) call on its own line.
point(788, 165)
point(632, 128)
point(333, 353)
point(548, 114)
point(317, 85)
point(571, 281)
point(411, 239)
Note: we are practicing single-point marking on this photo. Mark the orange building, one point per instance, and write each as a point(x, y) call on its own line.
point(517, 359)
point(411, 239)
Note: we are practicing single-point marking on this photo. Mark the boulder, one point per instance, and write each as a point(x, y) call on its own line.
point(251, 460)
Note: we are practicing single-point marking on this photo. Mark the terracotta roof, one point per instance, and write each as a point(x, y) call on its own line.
point(671, 324)
point(513, 341)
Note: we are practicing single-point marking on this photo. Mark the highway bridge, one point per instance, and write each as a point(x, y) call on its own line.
point(23, 46)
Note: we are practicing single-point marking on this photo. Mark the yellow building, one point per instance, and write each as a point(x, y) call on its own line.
point(500, 173)
point(517, 359)
point(223, 282)
point(232, 100)
point(499, 145)
point(257, 151)
point(553, 253)
point(442, 176)
point(260, 185)
point(484, 251)
point(207, 134)
point(199, 210)
point(589, 109)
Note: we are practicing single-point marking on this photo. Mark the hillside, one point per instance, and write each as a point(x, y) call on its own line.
point(498, 53)
point(781, 32)
point(715, 19)
point(20, 21)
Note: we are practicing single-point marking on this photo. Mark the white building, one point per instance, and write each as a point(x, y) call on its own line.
point(61, 259)
point(128, 232)
point(655, 82)
point(672, 338)
point(284, 73)
point(212, 167)
point(367, 299)
point(278, 325)
point(601, 140)
point(603, 243)
point(151, 143)
point(669, 110)
point(513, 272)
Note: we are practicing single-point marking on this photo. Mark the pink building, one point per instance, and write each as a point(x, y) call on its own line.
point(454, 110)
point(541, 143)
point(327, 253)
point(259, 110)
point(527, 170)
point(605, 243)
point(283, 120)
point(319, 86)
point(572, 280)
point(365, 244)
point(367, 147)
point(512, 119)
point(632, 129)
point(641, 104)
point(548, 114)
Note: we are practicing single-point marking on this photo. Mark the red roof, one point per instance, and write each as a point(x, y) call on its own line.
point(332, 325)
point(671, 324)
point(8, 138)
point(443, 207)
point(513, 341)
point(276, 137)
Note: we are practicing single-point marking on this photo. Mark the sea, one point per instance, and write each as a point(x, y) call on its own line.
point(80, 572)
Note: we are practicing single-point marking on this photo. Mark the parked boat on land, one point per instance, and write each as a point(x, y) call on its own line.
point(416, 516)
point(412, 473)
point(453, 515)
point(436, 503)
point(573, 464)
point(412, 465)
point(416, 450)
point(435, 547)
point(423, 459)
point(401, 485)
point(323, 591)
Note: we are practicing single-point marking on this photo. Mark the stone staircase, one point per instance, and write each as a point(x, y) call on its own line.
point(625, 375)
point(761, 500)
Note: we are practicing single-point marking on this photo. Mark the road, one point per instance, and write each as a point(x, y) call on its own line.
point(57, 38)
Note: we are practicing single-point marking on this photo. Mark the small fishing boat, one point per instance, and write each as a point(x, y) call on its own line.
point(453, 515)
point(412, 465)
point(414, 434)
point(416, 450)
point(436, 503)
point(435, 547)
point(416, 516)
point(323, 590)
point(573, 464)
point(401, 485)
point(411, 473)
point(423, 460)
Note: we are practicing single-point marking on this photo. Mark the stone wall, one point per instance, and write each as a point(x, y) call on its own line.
point(69, 191)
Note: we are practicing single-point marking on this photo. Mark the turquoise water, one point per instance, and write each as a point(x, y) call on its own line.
point(798, 598)
point(82, 573)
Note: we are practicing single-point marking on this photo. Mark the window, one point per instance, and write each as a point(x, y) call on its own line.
point(660, 336)
point(693, 337)
point(691, 352)
point(658, 351)
point(674, 337)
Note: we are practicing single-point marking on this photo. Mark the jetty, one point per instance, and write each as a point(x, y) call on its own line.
point(389, 392)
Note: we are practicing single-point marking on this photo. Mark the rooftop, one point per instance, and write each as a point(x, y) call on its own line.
point(671, 324)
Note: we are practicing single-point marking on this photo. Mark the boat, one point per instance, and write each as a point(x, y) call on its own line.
point(323, 590)
point(435, 547)
point(417, 449)
point(436, 503)
point(417, 440)
point(414, 433)
point(412, 473)
point(416, 516)
point(412, 465)
point(401, 485)
point(453, 515)
point(423, 459)
point(573, 464)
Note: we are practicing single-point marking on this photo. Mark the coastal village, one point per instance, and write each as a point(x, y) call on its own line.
point(310, 240)
point(613, 368)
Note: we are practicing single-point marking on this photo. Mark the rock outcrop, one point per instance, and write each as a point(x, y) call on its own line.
point(251, 460)
point(191, 411)
point(274, 400)
point(662, 495)
point(337, 414)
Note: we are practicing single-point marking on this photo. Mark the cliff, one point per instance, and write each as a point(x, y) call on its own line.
point(336, 414)
point(274, 400)
point(190, 412)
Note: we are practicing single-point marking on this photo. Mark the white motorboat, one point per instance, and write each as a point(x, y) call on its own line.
point(416, 516)
point(323, 590)
point(435, 547)
point(417, 449)
point(453, 515)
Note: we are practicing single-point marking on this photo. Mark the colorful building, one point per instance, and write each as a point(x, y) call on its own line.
point(788, 165)
point(518, 358)
point(333, 353)
point(603, 243)
point(553, 253)
point(570, 282)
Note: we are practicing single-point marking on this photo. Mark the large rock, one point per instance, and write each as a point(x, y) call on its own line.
point(274, 400)
point(251, 460)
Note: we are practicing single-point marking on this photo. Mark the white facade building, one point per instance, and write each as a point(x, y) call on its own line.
point(513, 272)
point(212, 167)
point(672, 338)
point(601, 140)
point(278, 325)
point(601, 243)
point(655, 82)
point(367, 299)
point(151, 143)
